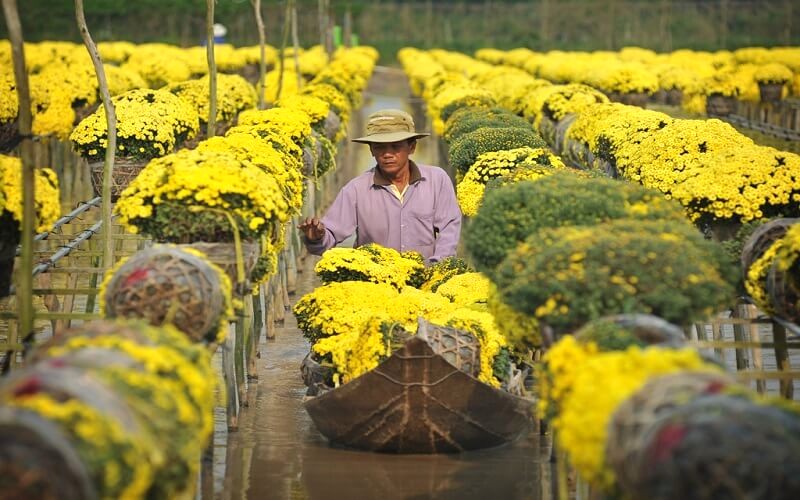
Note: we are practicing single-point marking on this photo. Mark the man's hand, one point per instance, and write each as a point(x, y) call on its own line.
point(312, 228)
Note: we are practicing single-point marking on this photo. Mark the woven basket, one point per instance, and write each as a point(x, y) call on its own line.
point(720, 446)
point(220, 129)
point(770, 92)
point(630, 98)
point(460, 348)
point(9, 136)
point(634, 416)
point(167, 285)
point(674, 97)
point(647, 328)
point(38, 461)
point(125, 171)
point(763, 238)
point(224, 255)
point(719, 105)
point(783, 289)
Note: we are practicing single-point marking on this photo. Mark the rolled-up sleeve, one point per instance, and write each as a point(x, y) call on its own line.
point(447, 220)
point(340, 221)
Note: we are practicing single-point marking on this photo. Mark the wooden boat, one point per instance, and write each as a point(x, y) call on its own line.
point(417, 402)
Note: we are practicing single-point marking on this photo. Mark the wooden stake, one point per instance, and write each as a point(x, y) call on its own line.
point(262, 41)
point(212, 71)
point(24, 122)
point(111, 126)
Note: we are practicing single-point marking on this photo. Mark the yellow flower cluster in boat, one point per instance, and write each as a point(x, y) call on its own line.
point(466, 289)
point(48, 201)
point(367, 263)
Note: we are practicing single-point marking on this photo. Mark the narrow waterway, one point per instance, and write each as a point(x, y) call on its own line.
point(278, 453)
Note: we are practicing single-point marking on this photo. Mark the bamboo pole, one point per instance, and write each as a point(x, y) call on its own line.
point(212, 71)
point(284, 40)
point(111, 126)
point(262, 64)
point(296, 45)
point(24, 122)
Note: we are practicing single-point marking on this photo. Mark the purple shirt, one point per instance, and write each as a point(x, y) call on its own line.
point(428, 220)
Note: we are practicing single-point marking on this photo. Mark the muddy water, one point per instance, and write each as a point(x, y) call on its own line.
point(278, 453)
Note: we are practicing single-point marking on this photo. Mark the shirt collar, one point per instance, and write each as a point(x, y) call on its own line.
point(378, 179)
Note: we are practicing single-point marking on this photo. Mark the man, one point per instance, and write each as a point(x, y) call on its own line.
point(397, 203)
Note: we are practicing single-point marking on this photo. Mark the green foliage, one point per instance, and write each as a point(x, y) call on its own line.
point(511, 213)
point(420, 275)
point(173, 222)
point(570, 275)
point(467, 120)
point(732, 251)
point(443, 270)
point(466, 149)
point(501, 365)
point(609, 336)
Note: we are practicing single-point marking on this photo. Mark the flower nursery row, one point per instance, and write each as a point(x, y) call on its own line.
point(606, 274)
point(685, 77)
point(720, 176)
point(64, 88)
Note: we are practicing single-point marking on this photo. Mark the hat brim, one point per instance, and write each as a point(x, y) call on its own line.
point(390, 137)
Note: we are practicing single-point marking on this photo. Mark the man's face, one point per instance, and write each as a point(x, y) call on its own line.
point(392, 157)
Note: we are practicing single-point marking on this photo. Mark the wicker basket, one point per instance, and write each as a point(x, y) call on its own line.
point(720, 105)
point(220, 129)
point(783, 289)
point(38, 461)
point(674, 97)
point(649, 329)
point(720, 446)
point(125, 170)
point(763, 238)
point(634, 416)
point(770, 92)
point(459, 348)
point(167, 285)
point(630, 98)
point(224, 255)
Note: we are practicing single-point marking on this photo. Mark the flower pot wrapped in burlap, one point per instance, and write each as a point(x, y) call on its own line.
point(720, 446)
point(237, 267)
point(720, 105)
point(125, 170)
point(166, 284)
point(633, 418)
point(770, 92)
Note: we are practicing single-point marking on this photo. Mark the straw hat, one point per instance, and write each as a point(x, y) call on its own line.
point(390, 125)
